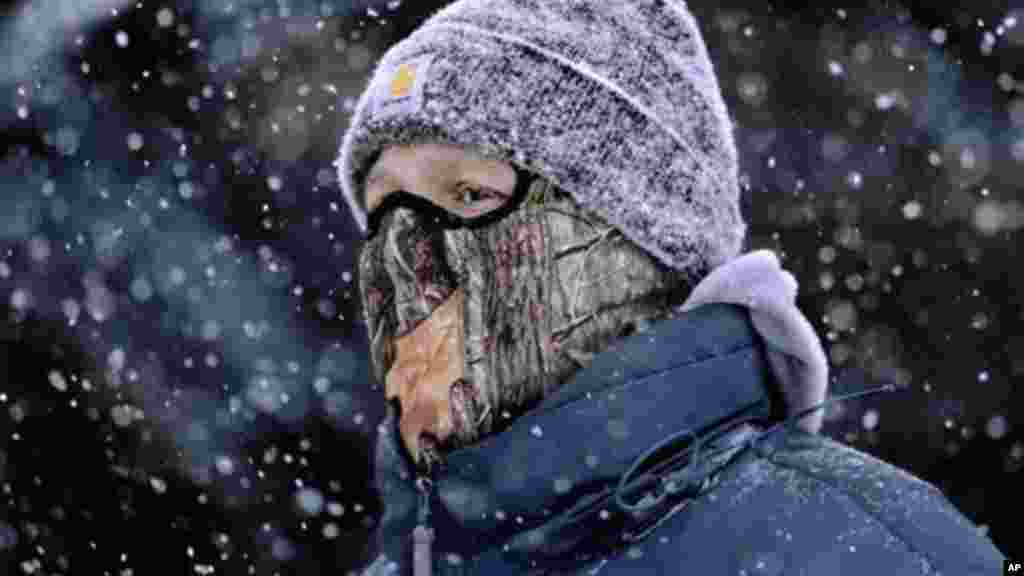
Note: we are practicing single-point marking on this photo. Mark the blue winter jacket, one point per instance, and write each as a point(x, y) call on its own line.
point(667, 455)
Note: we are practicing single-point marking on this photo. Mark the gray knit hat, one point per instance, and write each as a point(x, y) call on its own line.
point(615, 101)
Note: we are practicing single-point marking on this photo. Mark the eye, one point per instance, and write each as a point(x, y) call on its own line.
point(468, 194)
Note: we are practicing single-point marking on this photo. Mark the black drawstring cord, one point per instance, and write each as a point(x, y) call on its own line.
point(670, 477)
point(691, 476)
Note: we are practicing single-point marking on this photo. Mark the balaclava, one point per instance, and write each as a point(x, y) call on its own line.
point(542, 289)
point(612, 102)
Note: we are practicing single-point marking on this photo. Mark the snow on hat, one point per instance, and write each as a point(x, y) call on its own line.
point(614, 101)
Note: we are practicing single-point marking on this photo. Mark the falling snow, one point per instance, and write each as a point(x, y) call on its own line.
point(180, 326)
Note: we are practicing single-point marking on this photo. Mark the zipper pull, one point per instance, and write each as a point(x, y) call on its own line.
point(423, 534)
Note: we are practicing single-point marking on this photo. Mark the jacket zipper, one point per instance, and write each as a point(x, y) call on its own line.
point(423, 533)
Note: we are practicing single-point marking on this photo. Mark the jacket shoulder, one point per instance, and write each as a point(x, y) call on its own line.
point(803, 504)
point(910, 509)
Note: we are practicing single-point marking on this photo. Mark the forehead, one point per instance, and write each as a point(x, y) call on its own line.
point(398, 163)
point(393, 158)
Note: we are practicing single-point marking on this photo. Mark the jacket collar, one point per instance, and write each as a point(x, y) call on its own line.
point(688, 372)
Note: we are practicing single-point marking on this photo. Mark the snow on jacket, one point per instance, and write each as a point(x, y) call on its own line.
point(673, 453)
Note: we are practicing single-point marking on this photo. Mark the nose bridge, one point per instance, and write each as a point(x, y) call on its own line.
point(415, 259)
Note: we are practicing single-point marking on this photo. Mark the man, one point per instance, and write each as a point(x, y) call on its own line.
point(583, 374)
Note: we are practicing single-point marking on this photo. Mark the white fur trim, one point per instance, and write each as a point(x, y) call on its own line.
point(756, 280)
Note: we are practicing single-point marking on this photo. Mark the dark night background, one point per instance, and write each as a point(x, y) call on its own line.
point(183, 379)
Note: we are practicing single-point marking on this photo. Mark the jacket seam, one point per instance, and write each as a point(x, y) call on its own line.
point(624, 385)
point(860, 502)
point(688, 363)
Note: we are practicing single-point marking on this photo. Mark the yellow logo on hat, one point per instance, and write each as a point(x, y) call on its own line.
point(403, 80)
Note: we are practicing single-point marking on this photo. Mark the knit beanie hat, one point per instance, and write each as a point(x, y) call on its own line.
point(614, 101)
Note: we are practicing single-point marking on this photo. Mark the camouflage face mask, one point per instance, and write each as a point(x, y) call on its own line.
point(530, 292)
